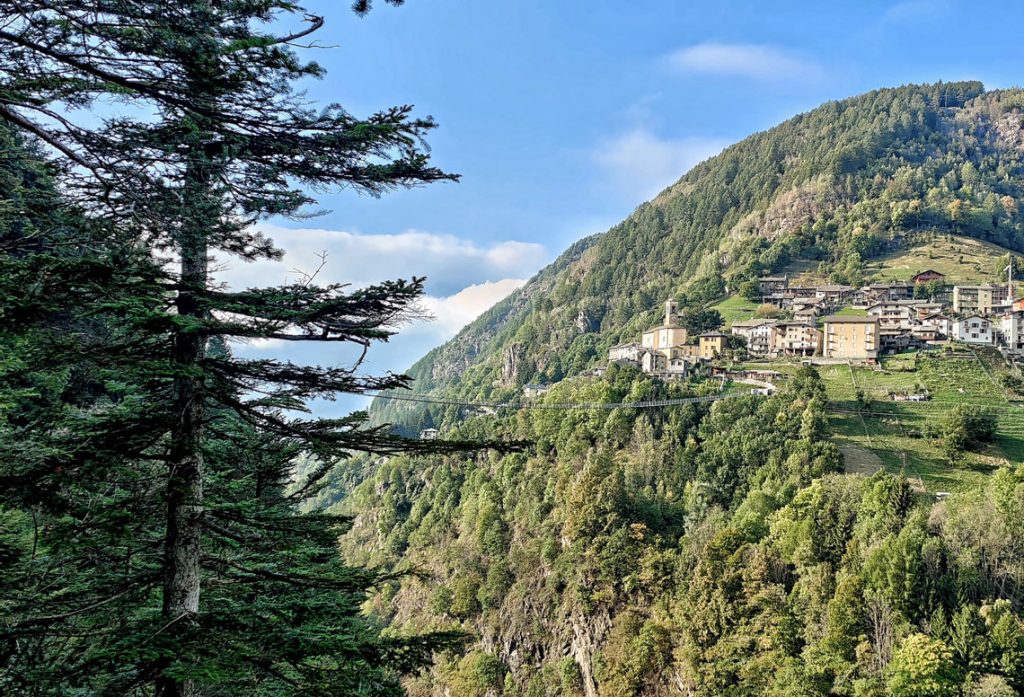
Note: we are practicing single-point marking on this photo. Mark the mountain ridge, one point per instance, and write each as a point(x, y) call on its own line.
point(837, 185)
point(827, 539)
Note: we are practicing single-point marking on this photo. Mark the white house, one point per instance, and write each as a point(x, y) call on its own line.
point(759, 333)
point(1011, 330)
point(973, 329)
point(631, 352)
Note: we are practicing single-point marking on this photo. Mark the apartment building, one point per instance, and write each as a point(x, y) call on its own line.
point(1011, 330)
point(797, 338)
point(853, 338)
point(712, 344)
point(983, 299)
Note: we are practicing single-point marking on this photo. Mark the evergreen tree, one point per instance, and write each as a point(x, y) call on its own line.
point(165, 549)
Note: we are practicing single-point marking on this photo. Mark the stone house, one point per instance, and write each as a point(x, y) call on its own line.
point(768, 285)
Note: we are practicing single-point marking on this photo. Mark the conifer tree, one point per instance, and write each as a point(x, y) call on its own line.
point(164, 550)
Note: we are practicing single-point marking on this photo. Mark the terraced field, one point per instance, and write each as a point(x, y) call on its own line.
point(895, 434)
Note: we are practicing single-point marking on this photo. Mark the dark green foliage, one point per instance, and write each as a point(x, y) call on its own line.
point(967, 428)
point(84, 401)
point(698, 320)
point(149, 503)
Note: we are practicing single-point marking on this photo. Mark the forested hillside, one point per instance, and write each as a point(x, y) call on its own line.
point(693, 551)
point(177, 521)
point(727, 548)
point(840, 184)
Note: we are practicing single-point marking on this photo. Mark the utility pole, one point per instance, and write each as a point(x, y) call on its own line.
point(1009, 281)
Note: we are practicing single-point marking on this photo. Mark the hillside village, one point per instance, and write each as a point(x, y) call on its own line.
point(839, 323)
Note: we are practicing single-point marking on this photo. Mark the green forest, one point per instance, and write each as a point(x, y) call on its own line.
point(723, 549)
point(151, 537)
point(699, 550)
point(177, 519)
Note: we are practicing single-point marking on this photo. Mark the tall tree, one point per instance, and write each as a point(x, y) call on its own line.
point(177, 126)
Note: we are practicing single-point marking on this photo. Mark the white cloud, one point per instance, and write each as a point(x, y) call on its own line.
point(401, 351)
point(450, 263)
point(639, 164)
point(456, 311)
point(760, 62)
point(450, 314)
point(464, 280)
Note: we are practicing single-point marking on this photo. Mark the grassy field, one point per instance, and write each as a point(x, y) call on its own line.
point(805, 273)
point(961, 259)
point(894, 435)
point(735, 308)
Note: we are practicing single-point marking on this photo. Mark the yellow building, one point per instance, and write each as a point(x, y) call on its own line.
point(666, 336)
point(685, 351)
point(854, 338)
point(712, 344)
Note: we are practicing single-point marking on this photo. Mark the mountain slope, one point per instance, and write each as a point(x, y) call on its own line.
point(757, 545)
point(837, 185)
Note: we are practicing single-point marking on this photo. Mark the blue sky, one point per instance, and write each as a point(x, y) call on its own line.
point(562, 116)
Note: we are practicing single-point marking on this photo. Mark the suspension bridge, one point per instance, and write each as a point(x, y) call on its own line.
point(646, 404)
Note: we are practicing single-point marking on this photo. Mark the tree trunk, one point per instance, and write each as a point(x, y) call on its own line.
point(182, 544)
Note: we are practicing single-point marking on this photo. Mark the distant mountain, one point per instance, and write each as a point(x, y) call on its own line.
point(846, 182)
